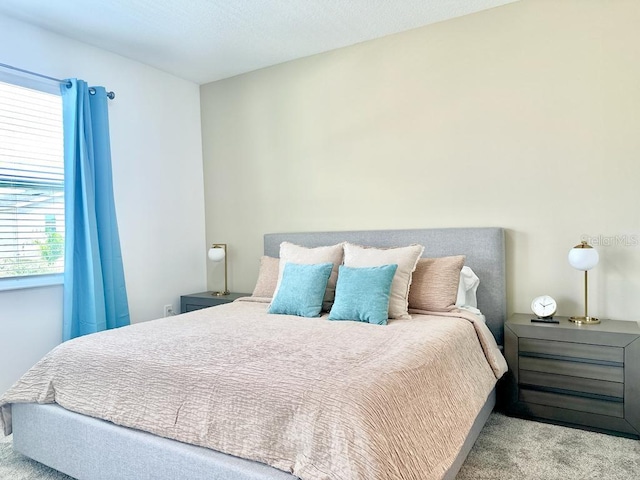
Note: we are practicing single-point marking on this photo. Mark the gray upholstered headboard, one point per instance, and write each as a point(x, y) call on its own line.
point(484, 248)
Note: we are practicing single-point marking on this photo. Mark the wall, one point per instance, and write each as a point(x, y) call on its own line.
point(524, 116)
point(158, 186)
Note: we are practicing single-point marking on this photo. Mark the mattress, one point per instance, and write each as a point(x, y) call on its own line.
point(311, 397)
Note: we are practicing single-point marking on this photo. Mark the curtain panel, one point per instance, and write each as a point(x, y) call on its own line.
point(95, 296)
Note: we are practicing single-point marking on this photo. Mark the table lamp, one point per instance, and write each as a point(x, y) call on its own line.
point(584, 257)
point(217, 253)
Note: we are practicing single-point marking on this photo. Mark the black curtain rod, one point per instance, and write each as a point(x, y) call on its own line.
point(92, 90)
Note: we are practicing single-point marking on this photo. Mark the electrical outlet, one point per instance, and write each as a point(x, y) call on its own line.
point(168, 310)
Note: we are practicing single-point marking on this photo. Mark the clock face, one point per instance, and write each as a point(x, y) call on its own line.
point(544, 306)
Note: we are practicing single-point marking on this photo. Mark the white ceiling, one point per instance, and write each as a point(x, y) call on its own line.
point(207, 40)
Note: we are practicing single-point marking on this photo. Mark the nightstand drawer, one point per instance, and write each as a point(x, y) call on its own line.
point(582, 404)
point(570, 349)
point(198, 301)
point(576, 384)
point(189, 307)
point(573, 369)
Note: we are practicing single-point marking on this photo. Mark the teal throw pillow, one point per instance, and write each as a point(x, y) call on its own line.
point(362, 294)
point(301, 289)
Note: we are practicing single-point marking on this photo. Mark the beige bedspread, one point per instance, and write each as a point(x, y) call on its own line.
point(319, 399)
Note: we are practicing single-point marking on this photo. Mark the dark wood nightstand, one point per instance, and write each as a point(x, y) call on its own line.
point(196, 301)
point(586, 376)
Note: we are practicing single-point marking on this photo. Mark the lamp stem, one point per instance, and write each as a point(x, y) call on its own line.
point(226, 291)
point(585, 292)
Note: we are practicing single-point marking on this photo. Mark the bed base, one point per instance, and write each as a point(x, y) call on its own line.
point(87, 448)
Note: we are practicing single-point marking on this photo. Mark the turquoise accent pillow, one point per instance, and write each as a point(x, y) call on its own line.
point(362, 294)
point(302, 289)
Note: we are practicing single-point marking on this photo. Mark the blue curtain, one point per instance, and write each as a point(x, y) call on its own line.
point(95, 296)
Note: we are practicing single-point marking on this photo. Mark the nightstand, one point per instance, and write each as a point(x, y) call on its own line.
point(585, 376)
point(196, 301)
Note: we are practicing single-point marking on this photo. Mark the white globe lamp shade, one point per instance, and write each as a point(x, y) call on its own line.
point(216, 254)
point(583, 257)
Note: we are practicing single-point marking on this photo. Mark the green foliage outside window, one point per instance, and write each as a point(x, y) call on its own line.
point(50, 251)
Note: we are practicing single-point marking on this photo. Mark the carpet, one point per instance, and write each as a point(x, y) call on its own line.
point(507, 449)
point(512, 448)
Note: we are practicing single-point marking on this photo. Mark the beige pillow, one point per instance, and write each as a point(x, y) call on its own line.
point(434, 286)
point(406, 259)
point(267, 277)
point(292, 253)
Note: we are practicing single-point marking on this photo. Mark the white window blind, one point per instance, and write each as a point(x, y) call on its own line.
point(31, 182)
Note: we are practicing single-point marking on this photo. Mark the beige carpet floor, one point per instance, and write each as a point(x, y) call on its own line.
point(507, 449)
point(514, 449)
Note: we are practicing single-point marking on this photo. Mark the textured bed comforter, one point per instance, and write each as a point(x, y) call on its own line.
point(319, 399)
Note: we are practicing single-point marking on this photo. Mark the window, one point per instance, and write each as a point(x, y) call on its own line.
point(31, 181)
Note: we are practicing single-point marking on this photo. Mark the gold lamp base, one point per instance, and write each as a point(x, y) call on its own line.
point(584, 320)
point(219, 294)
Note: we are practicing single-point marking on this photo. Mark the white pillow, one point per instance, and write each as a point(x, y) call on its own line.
point(292, 253)
point(467, 288)
point(405, 257)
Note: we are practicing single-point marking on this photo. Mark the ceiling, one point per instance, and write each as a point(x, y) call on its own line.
point(207, 40)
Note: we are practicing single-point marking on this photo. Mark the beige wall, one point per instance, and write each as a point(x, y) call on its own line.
point(526, 116)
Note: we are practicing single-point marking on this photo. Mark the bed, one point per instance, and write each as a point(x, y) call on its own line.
point(80, 442)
